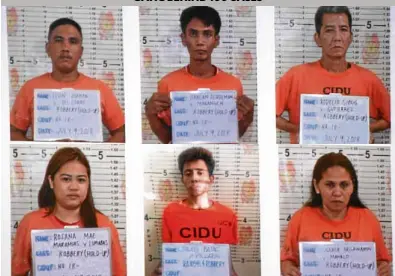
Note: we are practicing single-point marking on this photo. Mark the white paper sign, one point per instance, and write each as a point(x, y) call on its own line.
point(71, 252)
point(334, 119)
point(67, 114)
point(204, 117)
point(195, 259)
point(337, 258)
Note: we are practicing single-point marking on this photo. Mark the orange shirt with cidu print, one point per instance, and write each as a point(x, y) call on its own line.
point(310, 224)
point(22, 251)
point(312, 78)
point(182, 80)
point(182, 224)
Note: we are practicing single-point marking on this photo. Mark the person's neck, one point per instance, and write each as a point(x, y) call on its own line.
point(334, 65)
point(334, 215)
point(199, 202)
point(201, 69)
point(67, 216)
point(65, 77)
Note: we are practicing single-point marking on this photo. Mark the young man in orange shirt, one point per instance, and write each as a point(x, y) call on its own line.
point(64, 47)
point(331, 74)
point(200, 27)
point(198, 218)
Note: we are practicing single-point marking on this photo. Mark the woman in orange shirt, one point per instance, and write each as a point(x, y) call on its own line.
point(65, 200)
point(334, 211)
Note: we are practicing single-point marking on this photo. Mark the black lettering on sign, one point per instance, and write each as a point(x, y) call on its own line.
point(336, 235)
point(200, 232)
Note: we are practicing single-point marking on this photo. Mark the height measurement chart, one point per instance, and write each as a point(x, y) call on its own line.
point(162, 52)
point(236, 186)
point(370, 48)
point(28, 165)
point(102, 41)
point(372, 163)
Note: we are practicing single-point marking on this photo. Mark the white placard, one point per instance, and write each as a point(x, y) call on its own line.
point(204, 116)
point(70, 252)
point(334, 119)
point(338, 258)
point(195, 259)
point(67, 114)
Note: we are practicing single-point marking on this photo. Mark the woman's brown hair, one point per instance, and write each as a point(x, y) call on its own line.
point(325, 162)
point(46, 196)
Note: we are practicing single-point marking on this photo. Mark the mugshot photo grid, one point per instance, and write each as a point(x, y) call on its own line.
point(369, 49)
point(236, 175)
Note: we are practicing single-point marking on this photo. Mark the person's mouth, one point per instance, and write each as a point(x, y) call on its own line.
point(73, 196)
point(65, 57)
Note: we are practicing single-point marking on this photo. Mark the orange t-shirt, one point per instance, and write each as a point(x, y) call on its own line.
point(22, 253)
point(312, 78)
point(182, 80)
point(182, 224)
point(310, 224)
point(22, 113)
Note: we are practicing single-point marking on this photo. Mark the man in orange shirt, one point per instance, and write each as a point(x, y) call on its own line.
point(200, 27)
point(64, 47)
point(198, 218)
point(331, 74)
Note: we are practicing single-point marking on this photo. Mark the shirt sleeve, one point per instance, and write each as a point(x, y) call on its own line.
point(118, 258)
point(381, 99)
point(165, 115)
point(21, 254)
point(290, 248)
point(283, 92)
point(21, 115)
point(113, 117)
point(166, 232)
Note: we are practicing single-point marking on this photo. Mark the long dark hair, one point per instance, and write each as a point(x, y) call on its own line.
point(46, 196)
point(325, 162)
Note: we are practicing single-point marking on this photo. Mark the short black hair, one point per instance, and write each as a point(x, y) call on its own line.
point(207, 14)
point(330, 9)
point(194, 154)
point(63, 21)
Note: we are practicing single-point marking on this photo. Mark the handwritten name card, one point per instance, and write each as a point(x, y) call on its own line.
point(67, 114)
point(195, 259)
point(70, 252)
point(337, 258)
point(334, 119)
point(204, 117)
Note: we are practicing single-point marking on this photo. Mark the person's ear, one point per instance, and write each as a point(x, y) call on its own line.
point(317, 190)
point(317, 39)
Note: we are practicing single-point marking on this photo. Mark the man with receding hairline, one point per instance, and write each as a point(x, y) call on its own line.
point(65, 49)
point(331, 74)
point(200, 27)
